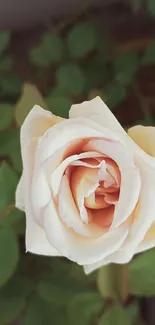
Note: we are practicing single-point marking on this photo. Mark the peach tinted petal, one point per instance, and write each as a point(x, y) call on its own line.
point(130, 178)
point(103, 217)
point(84, 181)
point(81, 249)
point(59, 171)
point(95, 201)
point(70, 214)
point(36, 123)
point(144, 136)
point(112, 198)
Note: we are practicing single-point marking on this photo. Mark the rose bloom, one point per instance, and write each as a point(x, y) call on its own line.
point(88, 187)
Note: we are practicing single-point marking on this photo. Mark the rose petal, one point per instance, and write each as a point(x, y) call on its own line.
point(144, 136)
point(142, 219)
point(36, 123)
point(77, 248)
point(20, 194)
point(60, 135)
point(92, 267)
point(111, 198)
point(36, 240)
point(148, 241)
point(97, 111)
point(59, 171)
point(103, 217)
point(84, 181)
point(130, 178)
point(70, 214)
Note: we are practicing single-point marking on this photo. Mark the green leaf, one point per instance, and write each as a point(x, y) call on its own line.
point(59, 289)
point(115, 315)
point(9, 141)
point(9, 254)
point(151, 7)
point(114, 94)
point(82, 39)
point(15, 157)
point(8, 182)
point(87, 305)
point(49, 51)
point(12, 218)
point(54, 294)
point(96, 72)
point(142, 274)
point(77, 273)
point(18, 287)
point(4, 40)
point(10, 308)
point(68, 283)
point(125, 66)
point(149, 55)
point(40, 312)
point(30, 96)
point(10, 85)
point(6, 115)
point(70, 78)
point(5, 63)
point(59, 106)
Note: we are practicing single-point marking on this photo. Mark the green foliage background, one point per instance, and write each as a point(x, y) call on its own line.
point(75, 65)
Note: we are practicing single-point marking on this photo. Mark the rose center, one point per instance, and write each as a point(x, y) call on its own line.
point(95, 185)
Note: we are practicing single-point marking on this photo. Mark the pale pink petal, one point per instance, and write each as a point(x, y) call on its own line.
point(145, 213)
point(130, 178)
point(92, 267)
point(20, 193)
point(36, 240)
point(84, 181)
point(142, 220)
point(97, 111)
point(80, 249)
point(70, 214)
point(148, 241)
point(59, 171)
point(36, 123)
point(62, 134)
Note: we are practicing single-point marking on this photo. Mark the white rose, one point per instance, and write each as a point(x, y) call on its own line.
point(88, 190)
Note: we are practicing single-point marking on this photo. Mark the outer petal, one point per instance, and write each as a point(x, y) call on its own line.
point(36, 123)
point(20, 193)
point(144, 136)
point(97, 111)
point(81, 249)
point(148, 241)
point(92, 267)
point(140, 236)
point(36, 240)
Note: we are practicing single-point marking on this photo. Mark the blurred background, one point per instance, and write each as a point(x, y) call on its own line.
point(55, 53)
